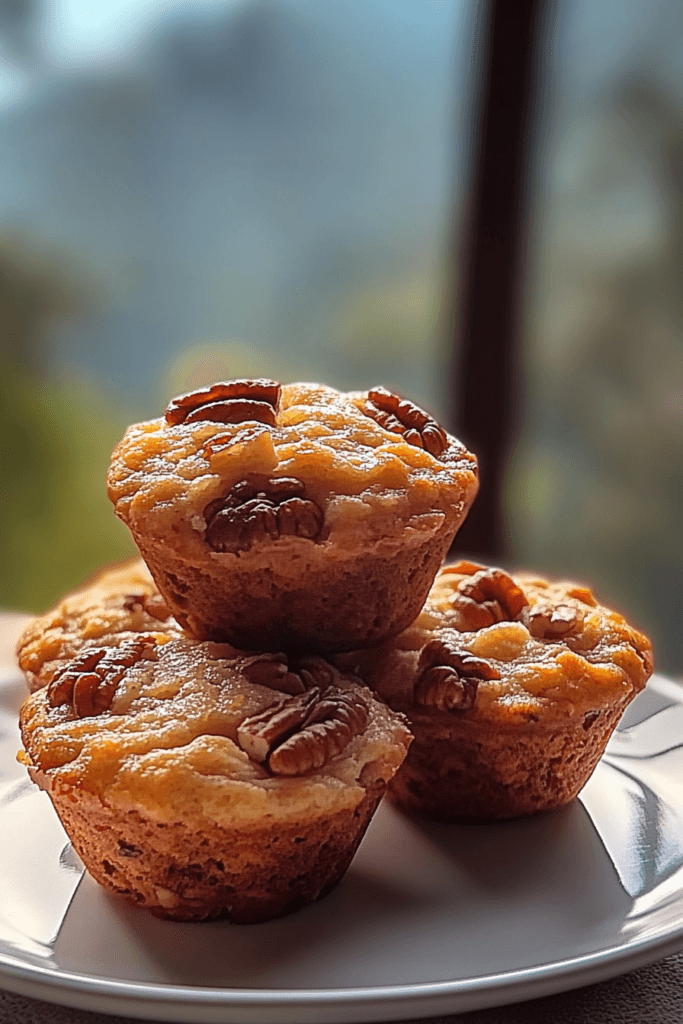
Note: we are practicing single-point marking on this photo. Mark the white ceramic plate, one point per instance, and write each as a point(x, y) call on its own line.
point(429, 919)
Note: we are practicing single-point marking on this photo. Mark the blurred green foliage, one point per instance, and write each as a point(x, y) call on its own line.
point(56, 524)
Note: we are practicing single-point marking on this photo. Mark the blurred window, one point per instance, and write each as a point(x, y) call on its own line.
point(596, 488)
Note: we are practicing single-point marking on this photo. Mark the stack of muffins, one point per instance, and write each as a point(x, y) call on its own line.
point(217, 727)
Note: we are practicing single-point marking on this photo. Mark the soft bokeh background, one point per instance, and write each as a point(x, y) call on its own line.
point(211, 189)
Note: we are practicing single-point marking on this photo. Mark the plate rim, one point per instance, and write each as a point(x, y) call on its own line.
point(291, 1006)
point(368, 1003)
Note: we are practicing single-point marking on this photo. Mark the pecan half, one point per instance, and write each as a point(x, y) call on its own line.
point(403, 417)
point(272, 670)
point(259, 734)
point(275, 672)
point(232, 401)
point(486, 597)
point(315, 671)
point(261, 509)
point(450, 677)
point(303, 733)
point(328, 730)
point(546, 621)
point(89, 682)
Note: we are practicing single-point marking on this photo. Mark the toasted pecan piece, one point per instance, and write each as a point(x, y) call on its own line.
point(272, 670)
point(449, 677)
point(231, 401)
point(90, 680)
point(403, 417)
point(486, 596)
point(303, 733)
point(547, 621)
point(260, 509)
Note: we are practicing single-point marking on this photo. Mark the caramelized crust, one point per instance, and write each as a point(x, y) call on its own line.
point(163, 798)
point(545, 668)
point(169, 743)
point(509, 717)
point(369, 480)
point(316, 527)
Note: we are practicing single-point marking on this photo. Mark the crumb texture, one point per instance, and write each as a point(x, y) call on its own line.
point(246, 875)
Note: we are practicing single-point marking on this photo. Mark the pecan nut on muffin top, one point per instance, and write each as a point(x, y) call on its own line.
point(201, 781)
point(512, 686)
point(292, 515)
point(116, 604)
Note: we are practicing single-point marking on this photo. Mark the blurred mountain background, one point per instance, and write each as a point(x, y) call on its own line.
point(196, 191)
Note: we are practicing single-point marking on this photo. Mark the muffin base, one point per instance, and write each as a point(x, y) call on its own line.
point(288, 600)
point(460, 770)
point(246, 875)
point(243, 875)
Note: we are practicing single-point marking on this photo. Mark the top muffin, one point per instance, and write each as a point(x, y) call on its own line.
point(292, 515)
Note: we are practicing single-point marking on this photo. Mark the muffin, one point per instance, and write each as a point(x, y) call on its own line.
point(199, 781)
point(512, 686)
point(118, 601)
point(292, 516)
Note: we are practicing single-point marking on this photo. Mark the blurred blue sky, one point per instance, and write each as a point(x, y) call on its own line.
point(231, 171)
point(247, 171)
point(100, 35)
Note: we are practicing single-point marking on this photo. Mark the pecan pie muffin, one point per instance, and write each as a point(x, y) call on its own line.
point(200, 781)
point(512, 686)
point(118, 602)
point(292, 515)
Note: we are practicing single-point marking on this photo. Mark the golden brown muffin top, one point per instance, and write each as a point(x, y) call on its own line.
point(342, 464)
point(186, 735)
point(119, 601)
point(176, 728)
point(511, 649)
